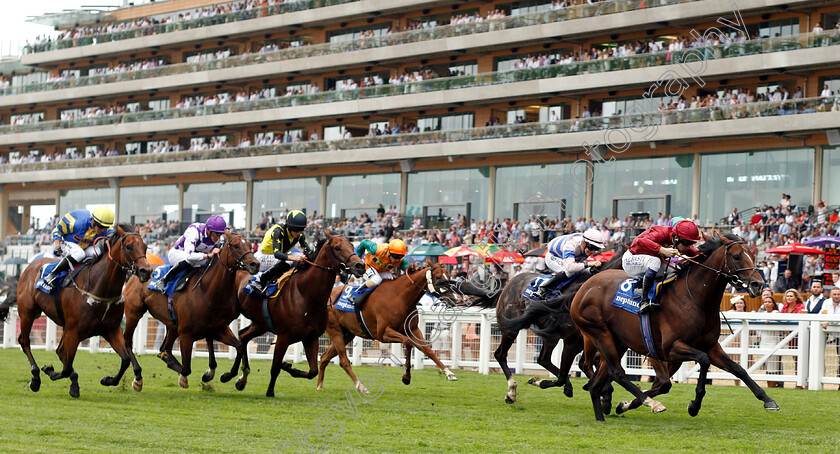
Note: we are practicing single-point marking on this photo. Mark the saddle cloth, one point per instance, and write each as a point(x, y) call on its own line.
point(625, 297)
point(61, 279)
point(551, 294)
point(174, 285)
point(271, 290)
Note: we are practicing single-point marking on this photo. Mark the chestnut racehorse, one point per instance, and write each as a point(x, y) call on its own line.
point(298, 314)
point(687, 328)
point(91, 305)
point(390, 314)
point(203, 310)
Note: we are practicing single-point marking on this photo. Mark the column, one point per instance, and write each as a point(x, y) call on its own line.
point(491, 204)
point(25, 218)
point(323, 208)
point(695, 192)
point(818, 167)
point(590, 184)
point(4, 211)
point(404, 194)
point(249, 204)
point(181, 188)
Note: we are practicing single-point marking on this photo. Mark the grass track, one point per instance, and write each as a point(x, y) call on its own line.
point(430, 415)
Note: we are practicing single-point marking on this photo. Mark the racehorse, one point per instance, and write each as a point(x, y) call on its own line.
point(687, 328)
point(202, 311)
point(551, 322)
point(390, 315)
point(91, 305)
point(298, 314)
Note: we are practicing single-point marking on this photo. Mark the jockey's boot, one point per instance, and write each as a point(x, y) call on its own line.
point(358, 294)
point(646, 305)
point(64, 265)
point(270, 275)
point(160, 285)
point(549, 284)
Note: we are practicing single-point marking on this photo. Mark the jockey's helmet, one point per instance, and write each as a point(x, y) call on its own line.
point(397, 247)
point(216, 224)
point(103, 216)
point(296, 220)
point(686, 230)
point(594, 238)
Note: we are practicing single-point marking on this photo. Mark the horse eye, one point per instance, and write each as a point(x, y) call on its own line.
point(737, 256)
point(129, 247)
point(236, 246)
point(338, 248)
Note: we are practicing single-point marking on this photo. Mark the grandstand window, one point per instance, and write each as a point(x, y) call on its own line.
point(92, 151)
point(541, 189)
point(76, 199)
point(771, 29)
point(264, 138)
point(448, 191)
point(135, 148)
point(132, 107)
point(157, 146)
point(348, 34)
point(209, 54)
point(139, 204)
point(301, 87)
point(830, 20)
point(216, 198)
point(643, 185)
point(622, 105)
point(74, 113)
point(345, 82)
point(65, 73)
point(509, 62)
point(271, 45)
point(830, 170)
point(528, 6)
point(298, 194)
point(744, 180)
point(446, 122)
point(31, 117)
point(352, 195)
point(833, 83)
point(467, 68)
point(334, 132)
point(28, 79)
point(159, 104)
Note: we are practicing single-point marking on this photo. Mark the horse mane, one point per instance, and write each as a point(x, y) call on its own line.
point(415, 266)
point(708, 248)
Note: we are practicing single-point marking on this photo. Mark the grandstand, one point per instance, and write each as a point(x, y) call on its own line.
point(173, 110)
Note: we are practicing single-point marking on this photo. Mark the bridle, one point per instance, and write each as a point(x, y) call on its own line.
point(429, 281)
point(342, 265)
point(131, 266)
point(729, 273)
point(239, 265)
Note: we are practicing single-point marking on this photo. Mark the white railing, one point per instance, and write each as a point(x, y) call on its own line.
point(771, 347)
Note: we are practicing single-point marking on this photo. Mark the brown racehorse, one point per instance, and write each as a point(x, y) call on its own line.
point(298, 314)
point(551, 322)
point(687, 328)
point(202, 311)
point(390, 314)
point(91, 306)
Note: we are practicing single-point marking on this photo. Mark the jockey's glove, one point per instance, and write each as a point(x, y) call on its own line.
point(57, 251)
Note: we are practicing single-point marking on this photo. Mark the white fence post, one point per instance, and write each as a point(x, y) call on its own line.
point(50, 339)
point(521, 350)
point(9, 329)
point(94, 344)
point(745, 346)
point(457, 343)
point(803, 352)
point(418, 355)
point(234, 326)
point(484, 345)
point(358, 346)
point(816, 365)
point(141, 335)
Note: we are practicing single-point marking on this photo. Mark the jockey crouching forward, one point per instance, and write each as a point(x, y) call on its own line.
point(380, 260)
point(74, 237)
point(644, 258)
point(199, 243)
point(566, 256)
point(276, 245)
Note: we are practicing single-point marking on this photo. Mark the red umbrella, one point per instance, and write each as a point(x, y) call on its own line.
point(446, 260)
point(602, 257)
point(538, 252)
point(506, 257)
point(794, 248)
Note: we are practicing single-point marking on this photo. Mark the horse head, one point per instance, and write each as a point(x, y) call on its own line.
point(438, 280)
point(128, 250)
point(236, 254)
point(343, 255)
point(739, 265)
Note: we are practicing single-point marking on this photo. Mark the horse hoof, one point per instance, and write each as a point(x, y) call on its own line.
point(226, 377)
point(545, 384)
point(620, 408)
point(450, 377)
point(606, 407)
point(108, 381)
point(48, 370)
point(183, 381)
point(509, 400)
point(319, 386)
point(208, 375)
point(74, 391)
point(137, 385)
point(35, 384)
point(269, 393)
point(693, 409)
point(534, 381)
point(772, 405)
point(568, 391)
point(240, 384)
point(406, 380)
point(658, 408)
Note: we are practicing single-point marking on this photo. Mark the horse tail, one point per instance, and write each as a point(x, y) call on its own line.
point(539, 309)
point(11, 298)
point(486, 299)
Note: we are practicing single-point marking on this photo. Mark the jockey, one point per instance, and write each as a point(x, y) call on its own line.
point(198, 243)
point(74, 236)
point(277, 243)
point(380, 260)
point(566, 256)
point(644, 256)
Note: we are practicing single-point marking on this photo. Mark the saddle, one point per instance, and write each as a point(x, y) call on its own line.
point(272, 290)
point(529, 291)
point(626, 297)
point(178, 284)
point(64, 278)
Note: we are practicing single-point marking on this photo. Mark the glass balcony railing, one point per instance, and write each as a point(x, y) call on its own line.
point(314, 50)
point(247, 14)
point(767, 45)
point(634, 121)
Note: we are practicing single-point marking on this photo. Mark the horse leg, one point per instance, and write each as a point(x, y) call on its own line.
point(596, 383)
point(166, 350)
point(310, 348)
point(661, 384)
point(340, 342)
point(26, 320)
point(406, 378)
point(544, 360)
point(611, 358)
point(211, 364)
point(226, 337)
point(277, 364)
point(501, 355)
point(69, 345)
point(245, 336)
point(117, 340)
point(721, 360)
point(186, 359)
point(322, 364)
point(416, 338)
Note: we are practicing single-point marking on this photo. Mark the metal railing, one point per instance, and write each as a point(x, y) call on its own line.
point(314, 50)
point(792, 348)
point(669, 117)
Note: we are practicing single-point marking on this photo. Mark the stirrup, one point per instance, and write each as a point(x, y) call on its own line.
point(257, 286)
point(160, 286)
point(647, 307)
point(540, 292)
point(49, 285)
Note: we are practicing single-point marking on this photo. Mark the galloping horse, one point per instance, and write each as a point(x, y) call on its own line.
point(298, 314)
point(551, 322)
point(687, 328)
point(390, 314)
point(91, 306)
point(202, 311)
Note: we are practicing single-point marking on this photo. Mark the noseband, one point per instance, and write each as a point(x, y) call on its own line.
point(131, 266)
point(239, 265)
point(429, 280)
point(729, 273)
point(342, 265)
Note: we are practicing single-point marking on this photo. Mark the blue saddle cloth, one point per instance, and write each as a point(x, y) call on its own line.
point(59, 278)
point(270, 289)
point(551, 294)
point(625, 298)
point(343, 303)
point(172, 284)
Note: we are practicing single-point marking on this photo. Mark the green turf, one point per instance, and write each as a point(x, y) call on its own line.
point(430, 415)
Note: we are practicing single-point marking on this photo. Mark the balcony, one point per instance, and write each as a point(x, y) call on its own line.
point(744, 120)
point(527, 29)
point(750, 57)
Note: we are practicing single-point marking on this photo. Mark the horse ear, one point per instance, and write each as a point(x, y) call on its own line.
point(706, 237)
point(429, 262)
point(328, 234)
point(120, 230)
